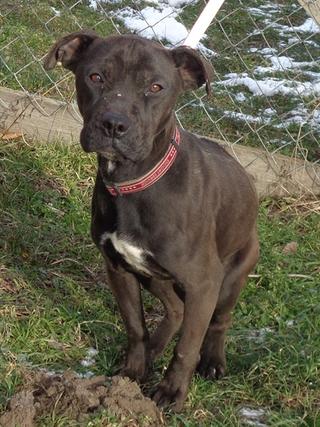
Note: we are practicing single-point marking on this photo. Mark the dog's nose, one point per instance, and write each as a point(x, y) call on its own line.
point(116, 125)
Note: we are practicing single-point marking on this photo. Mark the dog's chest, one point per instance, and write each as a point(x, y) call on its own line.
point(133, 254)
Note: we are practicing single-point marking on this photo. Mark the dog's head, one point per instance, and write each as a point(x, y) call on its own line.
point(126, 89)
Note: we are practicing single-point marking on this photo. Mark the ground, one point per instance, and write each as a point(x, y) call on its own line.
point(57, 314)
point(75, 399)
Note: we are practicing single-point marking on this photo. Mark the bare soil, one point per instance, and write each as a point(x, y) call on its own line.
point(77, 398)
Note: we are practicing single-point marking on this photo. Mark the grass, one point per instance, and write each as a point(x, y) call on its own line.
point(54, 304)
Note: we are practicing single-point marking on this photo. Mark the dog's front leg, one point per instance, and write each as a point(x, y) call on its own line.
point(126, 290)
point(172, 320)
point(200, 302)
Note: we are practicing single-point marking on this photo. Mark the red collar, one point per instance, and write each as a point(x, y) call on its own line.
point(152, 176)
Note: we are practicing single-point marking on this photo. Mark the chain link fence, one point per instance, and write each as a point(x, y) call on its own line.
point(265, 54)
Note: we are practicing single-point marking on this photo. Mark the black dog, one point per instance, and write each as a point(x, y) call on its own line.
point(171, 211)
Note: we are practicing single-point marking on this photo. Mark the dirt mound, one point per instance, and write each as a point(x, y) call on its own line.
point(77, 398)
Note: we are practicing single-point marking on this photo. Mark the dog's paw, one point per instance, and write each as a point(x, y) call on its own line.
point(168, 398)
point(136, 366)
point(171, 394)
point(135, 373)
point(211, 369)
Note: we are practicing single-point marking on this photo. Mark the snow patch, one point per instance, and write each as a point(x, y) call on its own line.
point(259, 335)
point(94, 3)
point(263, 51)
point(290, 323)
point(244, 117)
point(176, 3)
point(55, 11)
point(270, 112)
point(272, 86)
point(309, 26)
point(253, 417)
point(92, 352)
point(87, 374)
point(151, 22)
point(89, 360)
point(282, 63)
point(160, 23)
point(301, 116)
point(260, 12)
point(240, 97)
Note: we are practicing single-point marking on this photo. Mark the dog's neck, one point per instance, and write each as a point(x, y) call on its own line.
point(115, 172)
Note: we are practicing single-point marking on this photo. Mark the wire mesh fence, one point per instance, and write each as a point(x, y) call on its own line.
point(265, 54)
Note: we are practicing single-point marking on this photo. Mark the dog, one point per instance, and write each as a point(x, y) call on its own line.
point(171, 211)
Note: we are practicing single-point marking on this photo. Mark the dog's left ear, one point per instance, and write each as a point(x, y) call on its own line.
point(194, 70)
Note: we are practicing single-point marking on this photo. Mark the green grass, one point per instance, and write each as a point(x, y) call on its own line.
point(54, 303)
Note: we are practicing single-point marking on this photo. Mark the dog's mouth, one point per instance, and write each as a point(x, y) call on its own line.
point(117, 150)
point(114, 154)
point(109, 155)
point(94, 143)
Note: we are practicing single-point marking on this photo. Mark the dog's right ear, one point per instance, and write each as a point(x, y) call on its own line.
point(68, 50)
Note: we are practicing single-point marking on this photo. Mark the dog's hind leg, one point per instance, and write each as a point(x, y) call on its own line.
point(212, 363)
point(172, 319)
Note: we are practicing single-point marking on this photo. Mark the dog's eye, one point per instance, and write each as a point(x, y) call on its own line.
point(95, 77)
point(154, 88)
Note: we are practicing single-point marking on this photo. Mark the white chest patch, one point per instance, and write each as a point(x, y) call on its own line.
point(133, 255)
point(110, 166)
